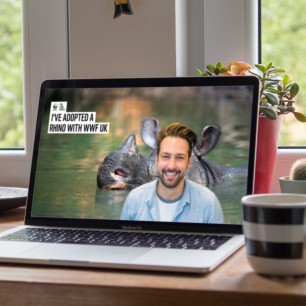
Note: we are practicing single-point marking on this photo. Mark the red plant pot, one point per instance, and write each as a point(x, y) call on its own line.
point(267, 142)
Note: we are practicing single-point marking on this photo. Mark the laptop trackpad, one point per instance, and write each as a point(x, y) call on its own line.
point(84, 253)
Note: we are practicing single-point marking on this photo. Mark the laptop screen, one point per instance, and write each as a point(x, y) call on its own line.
point(96, 158)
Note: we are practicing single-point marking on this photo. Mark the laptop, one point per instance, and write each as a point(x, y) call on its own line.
point(95, 143)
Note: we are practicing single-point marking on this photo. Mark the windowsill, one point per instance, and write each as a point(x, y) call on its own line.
point(15, 168)
point(13, 154)
point(285, 158)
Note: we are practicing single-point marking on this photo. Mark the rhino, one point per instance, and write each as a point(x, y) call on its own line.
point(126, 168)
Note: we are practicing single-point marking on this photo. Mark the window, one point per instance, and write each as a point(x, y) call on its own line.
point(44, 27)
point(11, 88)
point(212, 30)
point(283, 32)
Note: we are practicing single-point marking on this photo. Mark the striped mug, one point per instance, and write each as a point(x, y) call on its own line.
point(274, 226)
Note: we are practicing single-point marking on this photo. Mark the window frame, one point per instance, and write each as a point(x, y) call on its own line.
point(40, 61)
point(286, 155)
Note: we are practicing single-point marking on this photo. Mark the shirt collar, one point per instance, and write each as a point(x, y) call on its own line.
point(184, 200)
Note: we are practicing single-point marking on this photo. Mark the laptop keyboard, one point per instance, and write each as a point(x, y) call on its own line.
point(115, 238)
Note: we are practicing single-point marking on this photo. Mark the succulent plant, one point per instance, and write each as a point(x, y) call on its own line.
point(298, 170)
point(277, 91)
point(218, 69)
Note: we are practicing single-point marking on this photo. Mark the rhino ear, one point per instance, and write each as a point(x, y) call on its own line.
point(149, 129)
point(208, 140)
point(129, 145)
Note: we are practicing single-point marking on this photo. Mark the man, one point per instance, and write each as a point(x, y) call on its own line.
point(172, 197)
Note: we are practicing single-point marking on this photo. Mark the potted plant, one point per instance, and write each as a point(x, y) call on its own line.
point(276, 98)
point(295, 182)
point(277, 93)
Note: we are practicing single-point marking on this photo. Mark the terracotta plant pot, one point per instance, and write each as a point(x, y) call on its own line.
point(292, 186)
point(267, 142)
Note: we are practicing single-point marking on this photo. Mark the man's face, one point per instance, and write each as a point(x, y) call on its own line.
point(173, 161)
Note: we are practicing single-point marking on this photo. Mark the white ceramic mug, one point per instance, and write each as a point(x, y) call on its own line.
point(274, 226)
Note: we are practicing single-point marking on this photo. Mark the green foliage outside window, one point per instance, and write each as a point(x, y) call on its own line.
point(11, 78)
point(283, 43)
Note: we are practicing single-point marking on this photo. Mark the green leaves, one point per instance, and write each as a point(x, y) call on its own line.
point(212, 70)
point(272, 98)
point(299, 116)
point(286, 80)
point(277, 91)
point(200, 73)
point(269, 69)
point(267, 110)
point(261, 68)
point(294, 90)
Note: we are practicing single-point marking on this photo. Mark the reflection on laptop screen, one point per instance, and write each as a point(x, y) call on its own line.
point(97, 145)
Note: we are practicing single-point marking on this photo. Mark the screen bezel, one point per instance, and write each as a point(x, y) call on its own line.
point(143, 82)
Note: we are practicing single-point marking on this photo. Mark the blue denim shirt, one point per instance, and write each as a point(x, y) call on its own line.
point(197, 204)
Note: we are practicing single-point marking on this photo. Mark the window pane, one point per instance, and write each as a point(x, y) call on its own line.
point(283, 44)
point(11, 76)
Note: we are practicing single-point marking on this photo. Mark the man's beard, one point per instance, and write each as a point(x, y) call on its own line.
point(165, 174)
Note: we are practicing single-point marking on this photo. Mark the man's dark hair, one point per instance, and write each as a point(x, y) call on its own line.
point(177, 130)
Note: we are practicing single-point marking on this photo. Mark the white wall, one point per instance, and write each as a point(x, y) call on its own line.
point(138, 45)
point(161, 38)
